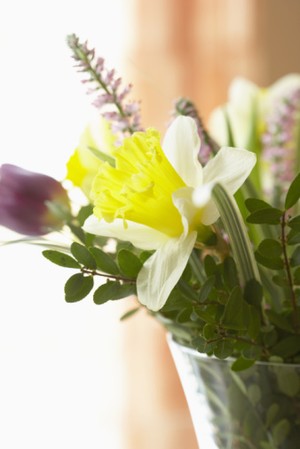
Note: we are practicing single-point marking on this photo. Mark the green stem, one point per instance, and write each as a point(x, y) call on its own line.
point(288, 272)
point(110, 276)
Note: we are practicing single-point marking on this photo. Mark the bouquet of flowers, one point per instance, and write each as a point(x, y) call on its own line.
point(202, 227)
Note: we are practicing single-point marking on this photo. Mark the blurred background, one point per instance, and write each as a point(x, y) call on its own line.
point(73, 376)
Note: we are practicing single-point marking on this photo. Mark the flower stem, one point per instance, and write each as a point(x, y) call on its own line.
point(288, 272)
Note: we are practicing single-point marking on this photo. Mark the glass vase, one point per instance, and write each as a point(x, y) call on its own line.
point(258, 408)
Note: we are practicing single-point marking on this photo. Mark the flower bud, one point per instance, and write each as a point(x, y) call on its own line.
point(31, 203)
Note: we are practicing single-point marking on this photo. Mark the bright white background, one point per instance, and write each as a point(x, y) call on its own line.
point(60, 364)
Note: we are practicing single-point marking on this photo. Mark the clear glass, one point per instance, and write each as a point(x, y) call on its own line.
point(258, 408)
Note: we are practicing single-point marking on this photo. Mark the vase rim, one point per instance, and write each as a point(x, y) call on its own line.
point(201, 355)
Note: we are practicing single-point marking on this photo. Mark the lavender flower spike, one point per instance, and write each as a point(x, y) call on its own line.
point(208, 146)
point(110, 96)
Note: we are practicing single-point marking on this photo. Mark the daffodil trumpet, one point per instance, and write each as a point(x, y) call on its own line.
point(159, 197)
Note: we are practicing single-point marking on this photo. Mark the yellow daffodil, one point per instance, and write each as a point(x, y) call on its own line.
point(159, 198)
point(96, 141)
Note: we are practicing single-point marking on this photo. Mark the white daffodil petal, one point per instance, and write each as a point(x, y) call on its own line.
point(202, 199)
point(162, 270)
point(139, 235)
point(230, 167)
point(181, 146)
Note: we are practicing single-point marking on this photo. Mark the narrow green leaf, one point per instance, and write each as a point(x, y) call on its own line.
point(78, 287)
point(279, 321)
point(293, 193)
point(102, 156)
point(129, 263)
point(130, 313)
point(62, 259)
point(104, 261)
point(82, 254)
point(206, 288)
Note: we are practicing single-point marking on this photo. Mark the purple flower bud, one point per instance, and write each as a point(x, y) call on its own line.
point(31, 203)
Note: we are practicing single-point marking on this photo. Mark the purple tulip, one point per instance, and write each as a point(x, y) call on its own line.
point(25, 198)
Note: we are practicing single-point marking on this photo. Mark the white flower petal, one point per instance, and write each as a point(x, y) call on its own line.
point(181, 146)
point(141, 236)
point(162, 271)
point(230, 167)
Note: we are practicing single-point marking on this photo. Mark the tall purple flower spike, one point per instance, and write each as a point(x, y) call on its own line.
point(110, 96)
point(25, 197)
point(280, 138)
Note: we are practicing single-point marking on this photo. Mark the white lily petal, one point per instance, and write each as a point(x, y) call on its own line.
point(230, 167)
point(162, 270)
point(181, 146)
point(139, 235)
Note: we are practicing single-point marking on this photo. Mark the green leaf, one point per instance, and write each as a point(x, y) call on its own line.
point(253, 204)
point(287, 347)
point(269, 215)
point(230, 273)
point(78, 287)
point(254, 322)
point(210, 266)
point(297, 276)
point(102, 156)
point(279, 321)
point(276, 263)
point(104, 261)
point(82, 254)
point(209, 331)
point(280, 431)
point(272, 414)
point(130, 313)
point(129, 263)
point(223, 349)
point(242, 364)
point(252, 352)
point(84, 213)
point(206, 289)
point(293, 193)
point(270, 248)
point(294, 223)
point(236, 312)
point(253, 293)
point(112, 290)
point(295, 257)
point(293, 237)
point(62, 259)
point(288, 381)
